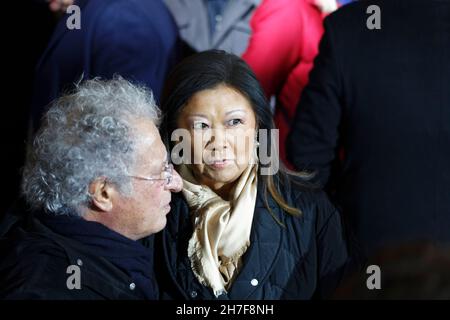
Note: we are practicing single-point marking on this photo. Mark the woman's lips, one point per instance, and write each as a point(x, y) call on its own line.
point(220, 164)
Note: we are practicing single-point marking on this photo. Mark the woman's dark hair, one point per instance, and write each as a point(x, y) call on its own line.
point(207, 70)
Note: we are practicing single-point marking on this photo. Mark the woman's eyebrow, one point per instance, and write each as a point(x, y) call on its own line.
point(200, 115)
point(236, 110)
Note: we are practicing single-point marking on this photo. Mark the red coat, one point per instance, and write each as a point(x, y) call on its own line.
point(281, 51)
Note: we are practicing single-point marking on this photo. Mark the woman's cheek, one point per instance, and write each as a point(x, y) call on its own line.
point(198, 150)
point(244, 150)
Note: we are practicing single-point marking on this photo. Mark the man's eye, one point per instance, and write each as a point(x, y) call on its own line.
point(234, 122)
point(200, 125)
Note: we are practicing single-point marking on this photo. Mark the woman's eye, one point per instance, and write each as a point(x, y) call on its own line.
point(234, 122)
point(200, 125)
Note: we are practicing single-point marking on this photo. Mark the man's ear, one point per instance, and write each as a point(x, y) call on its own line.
point(101, 194)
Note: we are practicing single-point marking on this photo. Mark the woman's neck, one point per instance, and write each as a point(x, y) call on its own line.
point(222, 189)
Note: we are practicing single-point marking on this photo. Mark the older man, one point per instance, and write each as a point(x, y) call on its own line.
point(98, 181)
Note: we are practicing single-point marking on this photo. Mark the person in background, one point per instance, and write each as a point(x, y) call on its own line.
point(97, 181)
point(281, 51)
point(137, 39)
point(380, 93)
point(214, 24)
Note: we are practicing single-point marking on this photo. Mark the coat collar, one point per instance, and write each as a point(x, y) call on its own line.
point(98, 274)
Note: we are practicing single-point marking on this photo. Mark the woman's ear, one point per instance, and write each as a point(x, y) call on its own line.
point(101, 194)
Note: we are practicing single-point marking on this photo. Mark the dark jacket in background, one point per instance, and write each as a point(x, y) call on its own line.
point(302, 260)
point(136, 39)
point(383, 96)
point(35, 261)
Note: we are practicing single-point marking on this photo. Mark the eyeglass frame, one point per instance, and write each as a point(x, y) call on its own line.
point(168, 170)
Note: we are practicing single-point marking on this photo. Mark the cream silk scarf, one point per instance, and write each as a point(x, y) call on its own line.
point(221, 228)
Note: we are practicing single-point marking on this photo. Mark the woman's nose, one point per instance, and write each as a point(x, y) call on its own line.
point(218, 140)
point(176, 184)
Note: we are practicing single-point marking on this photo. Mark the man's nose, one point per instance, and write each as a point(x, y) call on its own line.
point(176, 184)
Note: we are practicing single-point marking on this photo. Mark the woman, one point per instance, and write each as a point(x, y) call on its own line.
point(236, 233)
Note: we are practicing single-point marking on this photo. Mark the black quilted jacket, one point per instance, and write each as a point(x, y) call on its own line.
point(302, 260)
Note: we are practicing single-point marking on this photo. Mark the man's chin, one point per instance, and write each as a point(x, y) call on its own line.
point(161, 223)
point(166, 209)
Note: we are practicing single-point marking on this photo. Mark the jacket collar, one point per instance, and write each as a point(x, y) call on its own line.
point(113, 282)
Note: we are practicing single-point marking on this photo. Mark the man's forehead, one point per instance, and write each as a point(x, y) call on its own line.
point(149, 140)
point(145, 131)
point(144, 126)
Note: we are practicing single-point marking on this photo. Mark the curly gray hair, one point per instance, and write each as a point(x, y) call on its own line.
point(85, 135)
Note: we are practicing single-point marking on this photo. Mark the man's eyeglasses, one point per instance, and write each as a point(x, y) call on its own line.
point(166, 175)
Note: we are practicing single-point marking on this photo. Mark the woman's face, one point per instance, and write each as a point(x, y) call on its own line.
point(222, 125)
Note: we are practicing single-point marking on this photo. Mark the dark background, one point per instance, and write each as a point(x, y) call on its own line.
point(26, 27)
